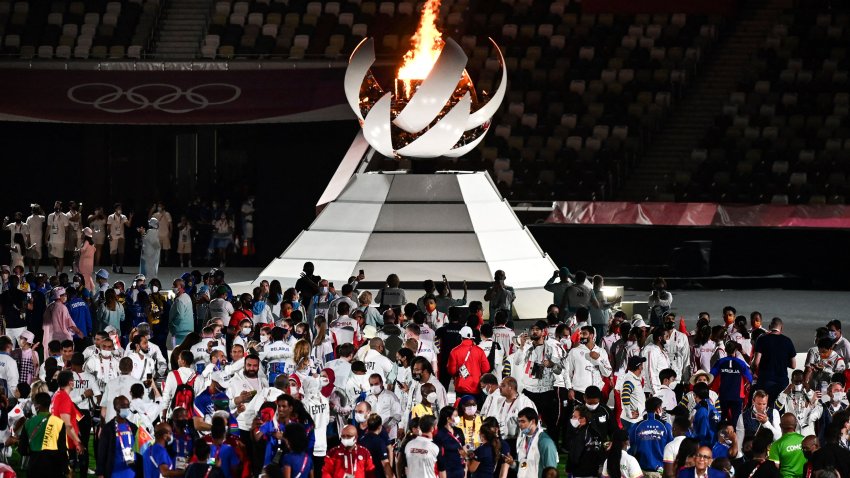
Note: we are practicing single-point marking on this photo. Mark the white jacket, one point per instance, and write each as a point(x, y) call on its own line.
point(388, 407)
point(171, 385)
point(678, 352)
point(239, 384)
point(656, 361)
point(582, 371)
point(634, 400)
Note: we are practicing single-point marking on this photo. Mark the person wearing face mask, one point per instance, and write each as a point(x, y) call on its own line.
point(348, 460)
point(422, 373)
point(841, 345)
point(470, 422)
point(116, 455)
point(600, 417)
point(656, 361)
point(320, 302)
point(535, 450)
point(449, 438)
point(157, 462)
point(220, 307)
point(585, 366)
point(823, 414)
point(494, 399)
point(828, 362)
point(798, 400)
point(585, 451)
point(385, 403)
point(103, 364)
point(144, 363)
point(115, 223)
point(244, 333)
point(277, 353)
point(317, 405)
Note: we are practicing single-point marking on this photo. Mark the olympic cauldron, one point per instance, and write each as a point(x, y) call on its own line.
point(440, 114)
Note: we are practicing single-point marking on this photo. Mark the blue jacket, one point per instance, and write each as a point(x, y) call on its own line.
point(732, 373)
point(81, 315)
point(706, 418)
point(648, 439)
point(690, 472)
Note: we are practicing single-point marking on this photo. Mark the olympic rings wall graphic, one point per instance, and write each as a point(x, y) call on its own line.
point(165, 97)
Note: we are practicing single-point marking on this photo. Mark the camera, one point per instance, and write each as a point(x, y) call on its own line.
point(537, 371)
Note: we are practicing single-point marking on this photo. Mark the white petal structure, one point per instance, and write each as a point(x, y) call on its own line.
point(455, 133)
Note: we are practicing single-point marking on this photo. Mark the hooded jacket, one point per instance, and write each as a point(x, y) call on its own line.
point(468, 355)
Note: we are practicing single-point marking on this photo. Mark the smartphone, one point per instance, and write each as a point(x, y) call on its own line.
point(361, 272)
point(331, 284)
point(150, 376)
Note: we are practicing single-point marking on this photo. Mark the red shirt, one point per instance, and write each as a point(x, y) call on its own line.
point(341, 461)
point(62, 404)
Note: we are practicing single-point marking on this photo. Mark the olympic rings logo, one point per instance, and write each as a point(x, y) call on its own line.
point(119, 100)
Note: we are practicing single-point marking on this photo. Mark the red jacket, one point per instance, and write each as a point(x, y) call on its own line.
point(340, 461)
point(473, 357)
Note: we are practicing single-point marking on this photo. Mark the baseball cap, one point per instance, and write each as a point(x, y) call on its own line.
point(466, 332)
point(58, 292)
point(28, 335)
point(218, 378)
point(140, 277)
point(102, 273)
point(634, 362)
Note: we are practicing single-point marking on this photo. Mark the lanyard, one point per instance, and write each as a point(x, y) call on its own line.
point(529, 440)
point(353, 459)
point(303, 466)
point(118, 432)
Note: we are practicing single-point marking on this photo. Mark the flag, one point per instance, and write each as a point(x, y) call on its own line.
point(143, 440)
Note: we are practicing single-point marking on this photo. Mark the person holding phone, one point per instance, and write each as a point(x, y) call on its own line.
point(499, 295)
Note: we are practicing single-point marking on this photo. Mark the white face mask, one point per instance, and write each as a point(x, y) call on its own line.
point(360, 417)
point(592, 407)
point(264, 338)
point(246, 330)
point(324, 290)
point(324, 381)
point(348, 442)
point(798, 387)
point(470, 410)
point(456, 420)
point(155, 289)
point(838, 396)
point(574, 422)
point(377, 389)
point(106, 353)
point(431, 397)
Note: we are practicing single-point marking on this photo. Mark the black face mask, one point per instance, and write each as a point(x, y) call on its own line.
point(669, 325)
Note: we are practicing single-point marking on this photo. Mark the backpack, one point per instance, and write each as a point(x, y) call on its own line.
point(184, 395)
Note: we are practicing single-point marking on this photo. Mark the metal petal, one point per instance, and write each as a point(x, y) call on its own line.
point(376, 126)
point(488, 110)
point(435, 91)
point(461, 150)
point(361, 60)
point(443, 135)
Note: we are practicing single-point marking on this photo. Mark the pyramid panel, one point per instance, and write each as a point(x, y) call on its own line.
point(423, 218)
point(424, 188)
point(338, 216)
point(422, 247)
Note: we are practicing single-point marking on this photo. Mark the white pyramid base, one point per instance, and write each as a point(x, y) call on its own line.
point(420, 226)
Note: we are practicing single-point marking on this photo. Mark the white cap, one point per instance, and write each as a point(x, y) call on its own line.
point(218, 378)
point(58, 292)
point(370, 331)
point(153, 222)
point(27, 335)
point(109, 329)
point(466, 332)
point(140, 277)
point(639, 323)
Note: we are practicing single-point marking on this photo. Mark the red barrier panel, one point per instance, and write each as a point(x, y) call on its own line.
point(174, 96)
point(700, 214)
point(719, 7)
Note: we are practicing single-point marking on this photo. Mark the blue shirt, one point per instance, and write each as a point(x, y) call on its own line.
point(268, 430)
point(226, 456)
point(80, 314)
point(205, 403)
point(648, 439)
point(449, 459)
point(720, 450)
point(705, 423)
point(124, 439)
point(155, 456)
point(487, 462)
point(732, 373)
point(377, 446)
point(300, 464)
